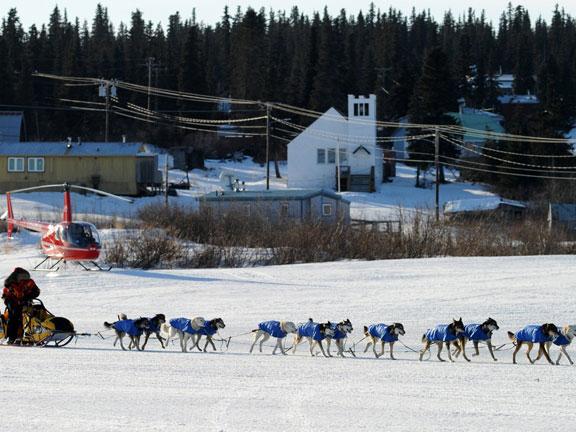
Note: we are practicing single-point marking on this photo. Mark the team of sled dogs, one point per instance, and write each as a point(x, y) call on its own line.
point(453, 336)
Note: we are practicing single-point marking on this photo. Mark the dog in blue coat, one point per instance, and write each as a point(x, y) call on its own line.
point(133, 328)
point(386, 334)
point(444, 334)
point(567, 334)
point(478, 333)
point(209, 329)
point(341, 331)
point(184, 328)
point(314, 333)
point(531, 334)
point(277, 329)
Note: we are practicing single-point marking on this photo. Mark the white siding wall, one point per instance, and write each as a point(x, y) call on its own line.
point(304, 171)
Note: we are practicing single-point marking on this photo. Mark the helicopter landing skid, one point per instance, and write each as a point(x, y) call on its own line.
point(51, 267)
point(94, 263)
point(55, 266)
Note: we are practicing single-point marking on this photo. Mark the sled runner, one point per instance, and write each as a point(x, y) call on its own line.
point(41, 327)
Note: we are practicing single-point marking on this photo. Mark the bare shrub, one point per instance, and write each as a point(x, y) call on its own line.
point(146, 250)
point(237, 241)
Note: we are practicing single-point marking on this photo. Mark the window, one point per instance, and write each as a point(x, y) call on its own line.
point(361, 111)
point(321, 156)
point(35, 164)
point(355, 110)
point(15, 164)
point(326, 209)
point(331, 156)
point(366, 110)
point(343, 156)
point(284, 207)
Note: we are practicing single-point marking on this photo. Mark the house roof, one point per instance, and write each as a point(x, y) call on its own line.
point(73, 149)
point(332, 115)
point(270, 195)
point(10, 124)
point(480, 204)
point(478, 120)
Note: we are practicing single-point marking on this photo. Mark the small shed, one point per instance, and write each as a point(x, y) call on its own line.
point(280, 205)
point(484, 207)
point(119, 168)
point(562, 216)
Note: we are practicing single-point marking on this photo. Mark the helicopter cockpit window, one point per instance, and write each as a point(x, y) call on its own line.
point(81, 234)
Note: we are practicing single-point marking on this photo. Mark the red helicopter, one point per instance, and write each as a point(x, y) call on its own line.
point(65, 241)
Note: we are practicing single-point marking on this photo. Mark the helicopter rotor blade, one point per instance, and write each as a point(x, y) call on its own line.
point(52, 186)
point(99, 192)
point(65, 185)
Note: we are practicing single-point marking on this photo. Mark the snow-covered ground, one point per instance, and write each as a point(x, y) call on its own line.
point(91, 386)
point(399, 196)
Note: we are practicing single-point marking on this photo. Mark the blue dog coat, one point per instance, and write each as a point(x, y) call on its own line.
point(273, 328)
point(440, 333)
point(338, 334)
point(128, 327)
point(183, 324)
point(532, 333)
point(208, 329)
point(474, 332)
point(382, 332)
point(561, 340)
point(312, 330)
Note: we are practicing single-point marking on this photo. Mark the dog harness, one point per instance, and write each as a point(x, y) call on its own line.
point(312, 330)
point(532, 333)
point(184, 325)
point(208, 329)
point(127, 326)
point(562, 340)
point(474, 332)
point(338, 334)
point(440, 333)
point(273, 328)
point(382, 332)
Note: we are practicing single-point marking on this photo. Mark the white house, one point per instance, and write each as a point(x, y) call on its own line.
point(335, 140)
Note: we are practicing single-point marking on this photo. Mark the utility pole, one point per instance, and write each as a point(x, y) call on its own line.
point(437, 164)
point(107, 89)
point(267, 146)
point(166, 181)
point(149, 63)
point(107, 112)
point(338, 164)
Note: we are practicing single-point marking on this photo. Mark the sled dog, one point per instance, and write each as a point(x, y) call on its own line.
point(277, 329)
point(532, 334)
point(341, 331)
point(477, 333)
point(128, 327)
point(567, 333)
point(444, 334)
point(385, 334)
point(209, 329)
point(314, 333)
point(154, 324)
point(183, 328)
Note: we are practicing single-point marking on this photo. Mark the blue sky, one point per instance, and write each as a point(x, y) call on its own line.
point(210, 11)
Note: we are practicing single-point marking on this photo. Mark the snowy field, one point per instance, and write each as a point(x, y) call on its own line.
point(91, 386)
point(397, 198)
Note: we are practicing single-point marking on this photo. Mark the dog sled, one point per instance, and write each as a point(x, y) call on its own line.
point(41, 327)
